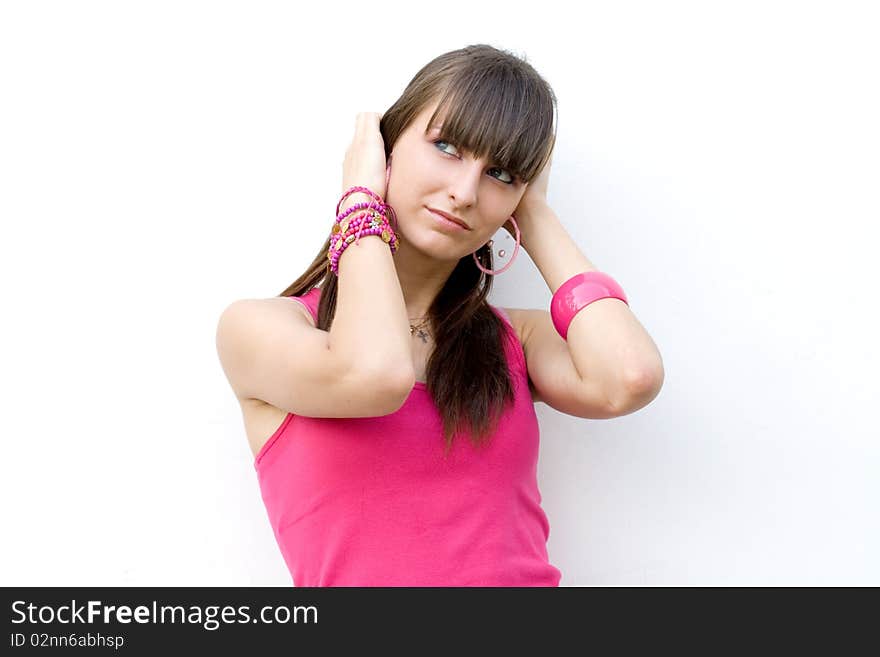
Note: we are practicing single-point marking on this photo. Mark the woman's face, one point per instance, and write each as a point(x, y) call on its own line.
point(442, 176)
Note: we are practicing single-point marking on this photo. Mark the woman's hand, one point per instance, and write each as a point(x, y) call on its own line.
point(364, 163)
point(534, 198)
point(536, 191)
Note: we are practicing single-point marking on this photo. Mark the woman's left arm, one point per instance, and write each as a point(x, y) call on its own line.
point(604, 338)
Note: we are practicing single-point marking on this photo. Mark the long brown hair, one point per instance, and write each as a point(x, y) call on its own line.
point(497, 106)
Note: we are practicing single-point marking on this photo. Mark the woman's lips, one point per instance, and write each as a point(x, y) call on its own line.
point(447, 221)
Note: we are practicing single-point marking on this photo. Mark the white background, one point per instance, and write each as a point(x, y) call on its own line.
point(159, 160)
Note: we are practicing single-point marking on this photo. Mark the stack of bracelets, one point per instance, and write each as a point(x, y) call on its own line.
point(371, 218)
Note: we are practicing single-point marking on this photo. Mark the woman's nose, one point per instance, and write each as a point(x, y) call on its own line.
point(465, 185)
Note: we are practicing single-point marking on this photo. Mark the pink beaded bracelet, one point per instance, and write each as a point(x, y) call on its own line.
point(371, 223)
point(371, 219)
point(380, 208)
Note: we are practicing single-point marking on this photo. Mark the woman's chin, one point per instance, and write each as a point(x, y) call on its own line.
point(434, 245)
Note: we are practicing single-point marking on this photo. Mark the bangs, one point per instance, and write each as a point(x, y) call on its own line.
point(508, 121)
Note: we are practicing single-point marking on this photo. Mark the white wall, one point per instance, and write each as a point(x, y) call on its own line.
point(159, 160)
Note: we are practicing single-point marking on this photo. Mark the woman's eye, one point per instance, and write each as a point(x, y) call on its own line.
point(511, 178)
point(510, 181)
point(440, 141)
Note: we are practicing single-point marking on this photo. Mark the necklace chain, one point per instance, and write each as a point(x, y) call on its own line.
point(418, 330)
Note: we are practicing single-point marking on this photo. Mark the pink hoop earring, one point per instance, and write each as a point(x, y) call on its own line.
point(500, 253)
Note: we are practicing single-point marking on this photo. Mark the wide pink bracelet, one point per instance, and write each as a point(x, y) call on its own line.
point(578, 292)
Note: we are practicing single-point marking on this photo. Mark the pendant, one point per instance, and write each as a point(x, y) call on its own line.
point(423, 335)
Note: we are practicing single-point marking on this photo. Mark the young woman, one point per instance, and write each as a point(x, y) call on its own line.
point(389, 406)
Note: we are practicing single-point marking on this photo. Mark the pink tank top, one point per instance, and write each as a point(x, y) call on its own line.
point(372, 502)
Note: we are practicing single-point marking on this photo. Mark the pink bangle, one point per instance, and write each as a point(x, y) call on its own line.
point(353, 190)
point(577, 293)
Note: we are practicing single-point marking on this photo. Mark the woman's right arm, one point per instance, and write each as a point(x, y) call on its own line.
point(270, 351)
point(362, 366)
point(370, 325)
